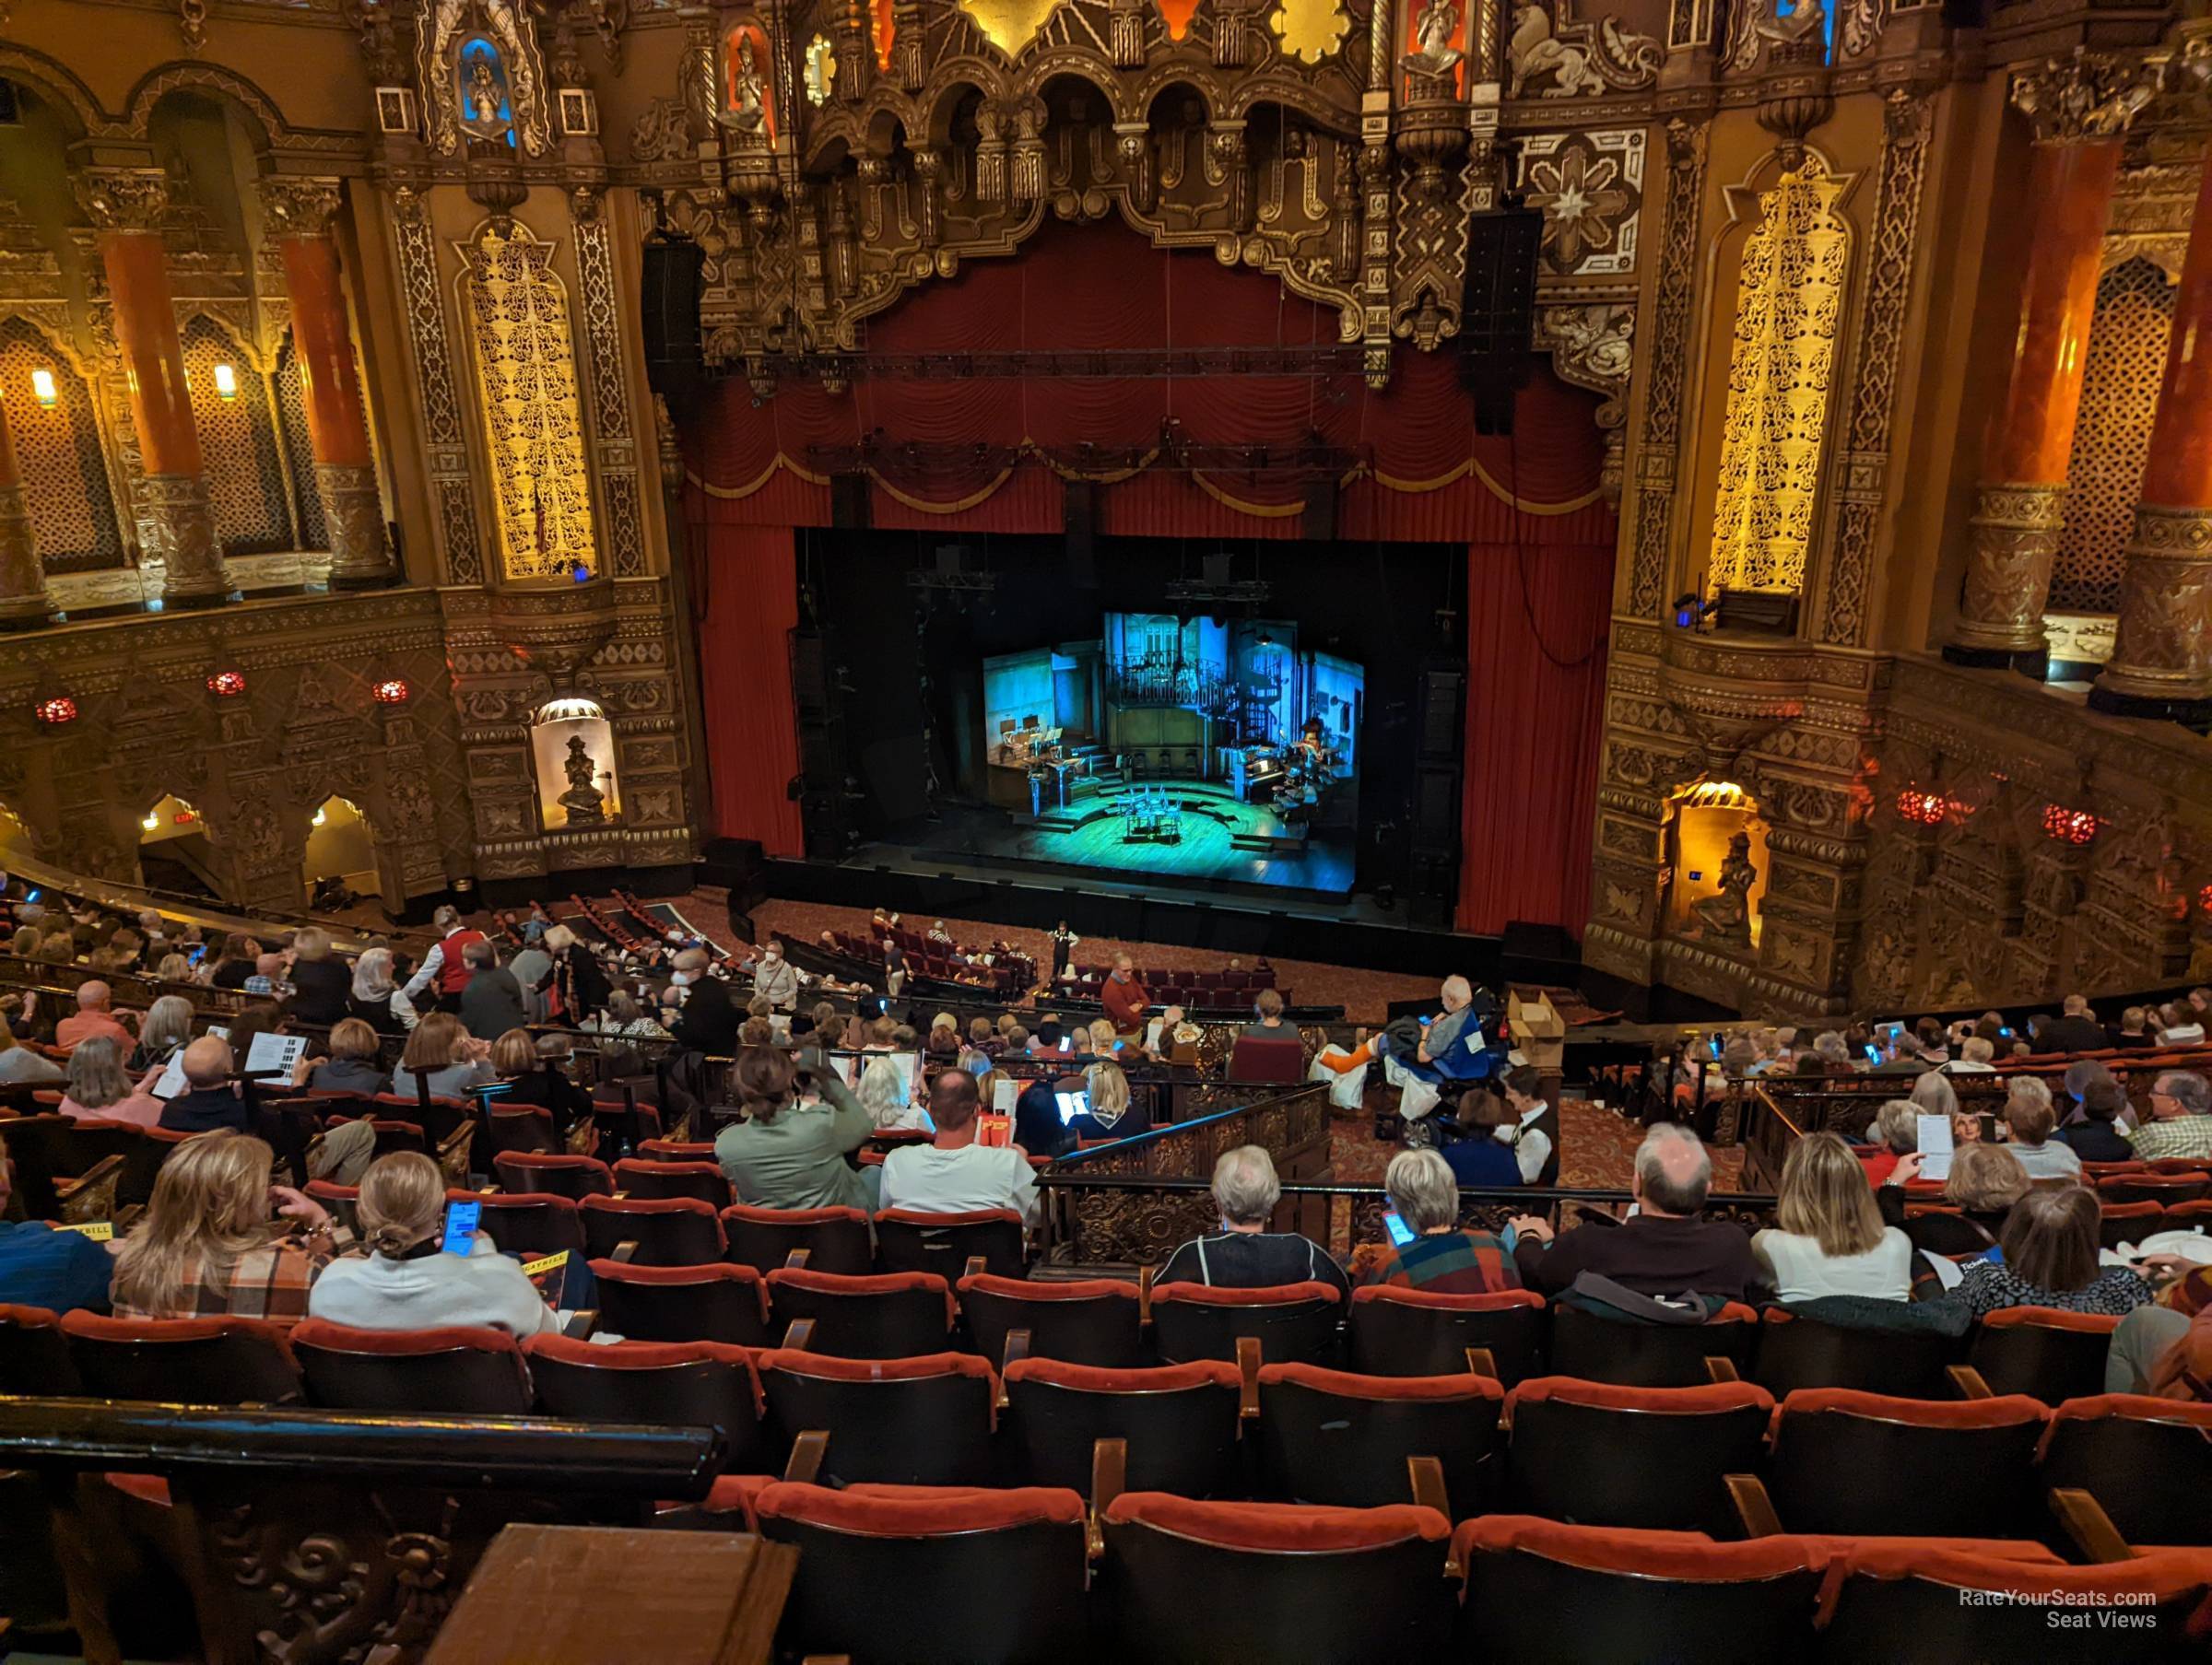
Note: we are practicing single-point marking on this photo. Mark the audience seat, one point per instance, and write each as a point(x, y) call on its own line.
point(2165, 1190)
point(1294, 1322)
point(702, 1181)
point(455, 1369)
point(1542, 1593)
point(1256, 1058)
point(835, 1239)
point(1636, 1355)
point(1867, 1464)
point(34, 1356)
point(703, 1384)
point(1651, 1458)
point(922, 1420)
point(210, 1361)
point(2148, 1461)
point(1330, 1437)
point(1941, 1229)
point(2121, 1223)
point(1086, 1321)
point(1797, 1351)
point(1418, 1332)
point(1178, 1422)
point(907, 1240)
point(672, 1150)
point(883, 1315)
point(553, 1174)
point(2042, 1352)
point(1196, 1583)
point(530, 1223)
point(342, 1200)
point(523, 1126)
point(1004, 1573)
point(668, 1231)
point(714, 1302)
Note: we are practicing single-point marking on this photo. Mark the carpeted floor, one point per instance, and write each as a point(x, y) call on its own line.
point(1597, 1149)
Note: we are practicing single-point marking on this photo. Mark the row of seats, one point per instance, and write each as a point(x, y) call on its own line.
point(1185, 977)
point(1824, 1460)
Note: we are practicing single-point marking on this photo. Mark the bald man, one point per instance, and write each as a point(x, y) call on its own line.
point(1666, 1249)
point(1441, 1055)
point(92, 1017)
point(210, 1098)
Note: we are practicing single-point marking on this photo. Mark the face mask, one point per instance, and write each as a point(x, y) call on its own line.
point(682, 978)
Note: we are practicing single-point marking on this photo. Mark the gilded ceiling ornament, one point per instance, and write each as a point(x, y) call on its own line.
point(2084, 97)
point(1590, 188)
point(1309, 30)
point(297, 206)
point(1563, 59)
point(122, 199)
point(820, 71)
point(1009, 25)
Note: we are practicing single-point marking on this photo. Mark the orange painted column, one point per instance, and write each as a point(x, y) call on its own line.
point(299, 212)
point(176, 526)
point(2161, 663)
point(23, 604)
point(2080, 107)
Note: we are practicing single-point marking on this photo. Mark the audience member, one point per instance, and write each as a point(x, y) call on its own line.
point(210, 1100)
point(444, 971)
point(1444, 1257)
point(2050, 1244)
point(374, 997)
point(2134, 1030)
point(1245, 1253)
point(1663, 1249)
point(2097, 1136)
point(1484, 1155)
point(2180, 1123)
point(20, 1066)
point(708, 1022)
point(787, 1153)
point(352, 1066)
point(2075, 1030)
point(2162, 1352)
point(1976, 1057)
point(92, 1017)
point(1933, 1095)
point(1524, 1098)
point(776, 979)
point(531, 1072)
point(625, 1017)
point(953, 1174)
point(1986, 1180)
point(163, 1032)
point(1113, 1114)
point(1830, 1239)
point(533, 969)
point(491, 1000)
point(1895, 1134)
point(2029, 1114)
point(240, 956)
point(442, 1057)
point(1920, 1050)
point(270, 976)
point(1268, 1014)
point(2181, 1025)
point(217, 1237)
point(100, 1090)
point(60, 1271)
point(407, 1281)
point(1441, 1053)
point(883, 1089)
point(322, 986)
point(1125, 998)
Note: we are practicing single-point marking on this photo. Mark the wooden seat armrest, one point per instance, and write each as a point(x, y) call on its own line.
point(1146, 1276)
point(796, 1260)
point(625, 1250)
point(1721, 1369)
point(975, 1267)
point(1247, 1374)
point(1018, 1347)
point(2089, 1526)
point(1753, 1507)
point(1425, 1475)
point(799, 1338)
point(806, 1453)
point(582, 1323)
point(1969, 1382)
point(1482, 1362)
point(1109, 1475)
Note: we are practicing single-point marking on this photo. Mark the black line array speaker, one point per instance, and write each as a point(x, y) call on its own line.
point(849, 502)
point(1432, 876)
point(675, 362)
point(1443, 705)
point(1497, 318)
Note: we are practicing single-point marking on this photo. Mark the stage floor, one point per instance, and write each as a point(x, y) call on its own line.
point(1223, 840)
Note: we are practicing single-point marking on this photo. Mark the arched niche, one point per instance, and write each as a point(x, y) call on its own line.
point(174, 851)
point(16, 839)
point(341, 844)
point(566, 735)
point(1702, 823)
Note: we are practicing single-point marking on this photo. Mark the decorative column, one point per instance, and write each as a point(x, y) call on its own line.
point(175, 522)
point(2080, 106)
point(23, 604)
point(299, 212)
point(2162, 664)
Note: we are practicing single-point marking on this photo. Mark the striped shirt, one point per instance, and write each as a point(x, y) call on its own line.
point(1451, 1263)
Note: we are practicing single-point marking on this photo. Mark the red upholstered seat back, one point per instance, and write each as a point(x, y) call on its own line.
point(668, 1231)
point(531, 1223)
point(209, 1361)
point(34, 1358)
point(884, 1315)
point(562, 1175)
point(835, 1239)
point(1256, 1058)
point(1292, 1322)
point(686, 1383)
point(713, 1302)
point(455, 1369)
point(1417, 1332)
point(1092, 1321)
point(920, 1421)
point(907, 1240)
point(1857, 1463)
point(703, 1180)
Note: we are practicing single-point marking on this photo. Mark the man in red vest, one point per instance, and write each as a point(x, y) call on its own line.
point(444, 966)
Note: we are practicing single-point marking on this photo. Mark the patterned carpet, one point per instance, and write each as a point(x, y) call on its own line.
point(1597, 1148)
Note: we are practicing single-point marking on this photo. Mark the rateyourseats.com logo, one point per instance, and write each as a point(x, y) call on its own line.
point(2073, 1609)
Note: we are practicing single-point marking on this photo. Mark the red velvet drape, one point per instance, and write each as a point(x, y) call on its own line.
point(1538, 621)
point(745, 592)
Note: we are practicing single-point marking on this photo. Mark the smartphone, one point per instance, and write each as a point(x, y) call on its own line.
point(461, 1226)
point(199, 953)
point(1072, 1105)
point(1400, 1233)
point(2006, 1032)
point(1874, 1053)
point(1068, 1043)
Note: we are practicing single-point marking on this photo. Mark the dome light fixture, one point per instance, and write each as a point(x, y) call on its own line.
point(55, 709)
point(569, 707)
point(392, 690)
point(227, 684)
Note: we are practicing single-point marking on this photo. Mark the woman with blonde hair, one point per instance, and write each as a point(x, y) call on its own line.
point(1113, 1114)
point(1986, 1180)
point(1830, 1238)
point(440, 1052)
point(883, 1089)
point(322, 985)
point(407, 1281)
point(174, 969)
point(99, 1090)
point(352, 1064)
point(209, 1246)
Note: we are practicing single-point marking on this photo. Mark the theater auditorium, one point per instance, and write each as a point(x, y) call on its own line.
point(1000, 832)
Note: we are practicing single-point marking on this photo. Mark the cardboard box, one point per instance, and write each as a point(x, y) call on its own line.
point(1539, 1032)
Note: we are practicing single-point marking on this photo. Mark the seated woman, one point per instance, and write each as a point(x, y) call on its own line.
point(1830, 1239)
point(2050, 1242)
point(1895, 1134)
point(1933, 1095)
point(884, 1093)
point(407, 1281)
point(352, 1065)
point(99, 1089)
point(1111, 1115)
point(1444, 1257)
point(532, 1078)
point(443, 1055)
point(2097, 1137)
point(2029, 1114)
point(1247, 1253)
point(20, 1066)
point(624, 1016)
point(944, 1042)
point(2134, 1029)
point(786, 1154)
point(218, 1239)
point(1484, 1155)
point(1985, 1181)
point(375, 997)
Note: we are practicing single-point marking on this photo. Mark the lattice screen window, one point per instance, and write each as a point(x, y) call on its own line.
point(299, 448)
point(2112, 436)
point(65, 479)
point(237, 444)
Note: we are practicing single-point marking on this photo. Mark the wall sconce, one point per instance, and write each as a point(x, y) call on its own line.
point(225, 382)
point(2069, 826)
point(227, 684)
point(393, 690)
point(55, 709)
point(321, 815)
point(151, 822)
point(1925, 808)
point(44, 390)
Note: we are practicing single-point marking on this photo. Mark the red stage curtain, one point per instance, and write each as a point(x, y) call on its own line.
point(746, 590)
point(1537, 619)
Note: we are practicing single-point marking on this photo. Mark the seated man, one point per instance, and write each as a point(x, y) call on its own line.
point(92, 1017)
point(1664, 1250)
point(61, 1271)
point(1245, 1254)
point(952, 1174)
point(210, 1100)
point(1446, 1050)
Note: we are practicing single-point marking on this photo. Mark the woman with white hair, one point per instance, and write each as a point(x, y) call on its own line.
point(1441, 1255)
point(883, 1093)
point(1245, 1254)
point(375, 997)
point(1934, 1094)
point(163, 1033)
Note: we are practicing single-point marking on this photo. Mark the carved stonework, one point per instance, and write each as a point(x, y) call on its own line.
point(2085, 98)
point(22, 580)
point(1590, 188)
point(354, 512)
point(1658, 448)
point(298, 204)
point(122, 199)
point(1553, 58)
point(2164, 646)
point(1592, 346)
point(176, 528)
point(2013, 538)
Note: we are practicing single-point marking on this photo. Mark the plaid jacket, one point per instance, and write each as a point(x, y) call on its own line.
point(1454, 1262)
point(2181, 1137)
point(268, 1282)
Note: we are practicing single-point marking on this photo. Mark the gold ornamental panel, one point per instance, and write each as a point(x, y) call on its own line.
point(2121, 374)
